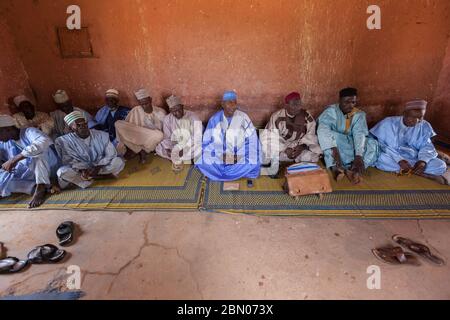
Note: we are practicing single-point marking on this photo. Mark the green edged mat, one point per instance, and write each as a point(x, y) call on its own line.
point(153, 186)
point(380, 195)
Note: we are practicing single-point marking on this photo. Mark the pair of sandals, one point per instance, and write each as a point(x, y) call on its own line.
point(397, 255)
point(47, 253)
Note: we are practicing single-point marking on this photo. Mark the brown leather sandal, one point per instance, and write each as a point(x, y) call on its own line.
point(395, 256)
point(418, 248)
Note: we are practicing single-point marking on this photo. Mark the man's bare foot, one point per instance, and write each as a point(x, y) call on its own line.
point(38, 197)
point(143, 157)
point(104, 177)
point(338, 173)
point(129, 154)
point(55, 189)
point(177, 167)
point(444, 157)
point(438, 179)
point(354, 178)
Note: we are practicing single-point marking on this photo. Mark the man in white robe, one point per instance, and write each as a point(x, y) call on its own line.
point(182, 135)
point(141, 131)
point(87, 154)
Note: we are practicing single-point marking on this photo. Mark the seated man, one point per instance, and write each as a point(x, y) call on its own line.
point(182, 135)
point(344, 138)
point(28, 161)
point(231, 148)
point(406, 146)
point(141, 131)
point(107, 116)
point(86, 154)
point(65, 106)
point(28, 116)
point(296, 132)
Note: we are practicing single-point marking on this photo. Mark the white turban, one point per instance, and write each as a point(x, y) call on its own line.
point(7, 121)
point(112, 93)
point(173, 101)
point(61, 96)
point(142, 94)
point(416, 105)
point(19, 99)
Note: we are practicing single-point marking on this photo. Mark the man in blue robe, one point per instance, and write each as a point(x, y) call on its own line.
point(86, 154)
point(344, 138)
point(406, 147)
point(231, 148)
point(107, 116)
point(28, 161)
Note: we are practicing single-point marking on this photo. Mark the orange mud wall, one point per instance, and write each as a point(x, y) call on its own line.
point(13, 78)
point(263, 49)
point(441, 102)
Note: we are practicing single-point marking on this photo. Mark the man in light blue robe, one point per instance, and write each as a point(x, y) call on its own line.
point(406, 147)
point(344, 138)
point(231, 148)
point(28, 161)
point(87, 154)
point(109, 114)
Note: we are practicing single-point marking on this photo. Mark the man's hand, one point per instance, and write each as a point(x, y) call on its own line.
point(419, 167)
point(404, 166)
point(94, 171)
point(85, 174)
point(290, 153)
point(358, 166)
point(298, 150)
point(337, 157)
point(11, 163)
point(89, 174)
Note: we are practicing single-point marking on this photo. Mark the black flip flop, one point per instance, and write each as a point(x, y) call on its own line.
point(47, 253)
point(418, 248)
point(65, 232)
point(7, 263)
point(12, 265)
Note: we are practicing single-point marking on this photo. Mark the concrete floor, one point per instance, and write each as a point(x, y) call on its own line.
point(192, 255)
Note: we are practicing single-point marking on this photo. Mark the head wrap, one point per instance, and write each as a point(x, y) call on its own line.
point(348, 92)
point(19, 99)
point(61, 96)
point(142, 94)
point(72, 117)
point(416, 105)
point(292, 96)
point(7, 121)
point(229, 96)
point(112, 93)
point(173, 101)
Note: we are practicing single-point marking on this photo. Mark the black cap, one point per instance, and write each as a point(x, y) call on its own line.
point(348, 92)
